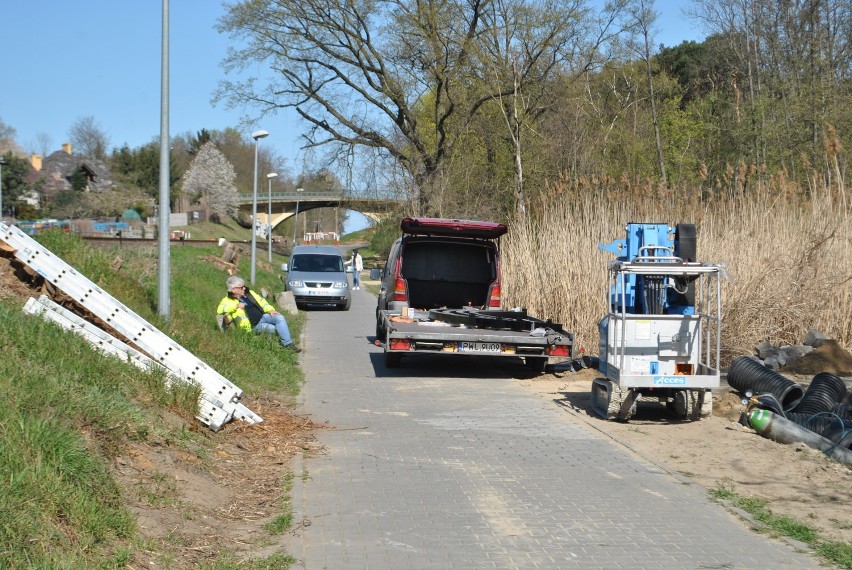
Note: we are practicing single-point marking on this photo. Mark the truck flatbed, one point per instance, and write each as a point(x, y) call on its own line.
point(471, 332)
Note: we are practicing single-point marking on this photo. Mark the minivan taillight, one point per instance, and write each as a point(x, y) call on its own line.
point(400, 290)
point(494, 296)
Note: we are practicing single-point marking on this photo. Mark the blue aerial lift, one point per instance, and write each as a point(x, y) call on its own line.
point(661, 337)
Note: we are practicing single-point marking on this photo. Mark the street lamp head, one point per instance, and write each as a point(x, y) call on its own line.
point(272, 175)
point(259, 134)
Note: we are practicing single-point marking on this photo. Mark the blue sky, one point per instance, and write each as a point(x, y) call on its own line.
point(65, 60)
point(102, 58)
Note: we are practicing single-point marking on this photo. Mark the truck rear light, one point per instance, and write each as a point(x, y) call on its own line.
point(560, 350)
point(400, 344)
point(400, 290)
point(494, 300)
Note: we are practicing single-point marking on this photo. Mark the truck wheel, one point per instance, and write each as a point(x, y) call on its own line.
point(392, 359)
point(537, 364)
point(380, 332)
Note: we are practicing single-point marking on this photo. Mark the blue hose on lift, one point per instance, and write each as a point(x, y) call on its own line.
point(747, 373)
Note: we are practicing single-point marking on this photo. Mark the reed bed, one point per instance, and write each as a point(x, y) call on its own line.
point(788, 257)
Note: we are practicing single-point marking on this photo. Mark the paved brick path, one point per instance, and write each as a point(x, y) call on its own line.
point(451, 463)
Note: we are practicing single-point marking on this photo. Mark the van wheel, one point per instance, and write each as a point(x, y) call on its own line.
point(345, 306)
point(392, 359)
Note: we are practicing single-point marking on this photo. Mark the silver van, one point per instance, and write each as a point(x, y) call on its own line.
point(317, 276)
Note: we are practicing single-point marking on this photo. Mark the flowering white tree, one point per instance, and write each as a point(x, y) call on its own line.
point(212, 176)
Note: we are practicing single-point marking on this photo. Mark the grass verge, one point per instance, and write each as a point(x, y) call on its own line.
point(837, 553)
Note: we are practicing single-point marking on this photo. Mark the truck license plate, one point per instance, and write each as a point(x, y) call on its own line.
point(479, 347)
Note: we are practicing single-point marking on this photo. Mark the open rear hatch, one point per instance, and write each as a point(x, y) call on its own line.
point(456, 228)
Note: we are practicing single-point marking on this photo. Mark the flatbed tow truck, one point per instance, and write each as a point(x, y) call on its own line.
point(471, 332)
point(441, 294)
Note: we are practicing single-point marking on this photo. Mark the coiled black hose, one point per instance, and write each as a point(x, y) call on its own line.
point(824, 392)
point(747, 373)
point(771, 403)
point(827, 425)
point(842, 410)
point(840, 432)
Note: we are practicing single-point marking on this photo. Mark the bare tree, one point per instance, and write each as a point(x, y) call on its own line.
point(212, 176)
point(644, 16)
point(44, 142)
point(402, 76)
point(88, 138)
point(7, 139)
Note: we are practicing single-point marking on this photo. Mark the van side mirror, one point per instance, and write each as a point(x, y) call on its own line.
point(284, 267)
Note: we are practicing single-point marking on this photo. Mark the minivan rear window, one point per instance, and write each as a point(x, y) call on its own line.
point(317, 263)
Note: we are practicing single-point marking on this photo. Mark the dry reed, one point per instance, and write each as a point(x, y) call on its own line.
point(788, 258)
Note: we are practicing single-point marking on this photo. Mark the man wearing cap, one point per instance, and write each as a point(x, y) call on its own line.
point(249, 311)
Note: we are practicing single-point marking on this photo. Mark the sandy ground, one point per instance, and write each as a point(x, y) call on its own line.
point(795, 480)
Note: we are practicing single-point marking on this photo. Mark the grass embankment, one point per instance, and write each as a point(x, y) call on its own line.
point(788, 258)
point(66, 410)
point(779, 526)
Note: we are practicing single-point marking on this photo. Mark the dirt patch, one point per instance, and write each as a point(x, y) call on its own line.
point(828, 357)
point(191, 506)
point(14, 281)
point(795, 480)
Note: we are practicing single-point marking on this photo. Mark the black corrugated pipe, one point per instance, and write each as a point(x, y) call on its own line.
point(842, 410)
point(840, 432)
point(825, 390)
point(827, 425)
point(747, 373)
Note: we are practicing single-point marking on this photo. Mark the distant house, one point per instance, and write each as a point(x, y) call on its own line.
point(57, 170)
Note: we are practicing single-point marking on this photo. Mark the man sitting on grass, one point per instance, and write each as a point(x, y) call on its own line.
point(251, 312)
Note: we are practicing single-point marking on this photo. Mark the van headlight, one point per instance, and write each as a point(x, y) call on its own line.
point(295, 284)
point(341, 285)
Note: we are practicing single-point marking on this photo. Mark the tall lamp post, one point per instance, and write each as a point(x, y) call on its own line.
point(296, 215)
point(269, 177)
point(2, 162)
point(164, 303)
point(257, 135)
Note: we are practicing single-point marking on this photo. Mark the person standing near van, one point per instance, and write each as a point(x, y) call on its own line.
point(357, 264)
point(249, 311)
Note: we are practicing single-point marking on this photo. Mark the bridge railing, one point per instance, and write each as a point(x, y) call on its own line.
point(292, 196)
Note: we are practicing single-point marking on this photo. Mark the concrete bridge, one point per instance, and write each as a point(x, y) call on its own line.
point(284, 204)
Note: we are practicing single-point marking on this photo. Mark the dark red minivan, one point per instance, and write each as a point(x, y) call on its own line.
point(442, 263)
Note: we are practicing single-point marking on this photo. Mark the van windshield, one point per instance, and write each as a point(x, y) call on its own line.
point(317, 263)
